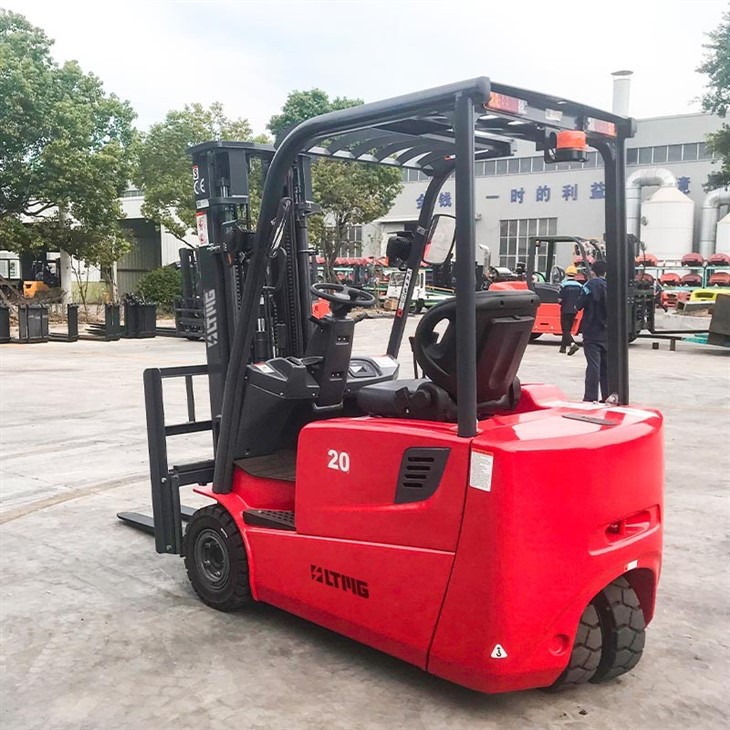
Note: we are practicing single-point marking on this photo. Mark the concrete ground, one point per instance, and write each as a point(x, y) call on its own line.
point(98, 631)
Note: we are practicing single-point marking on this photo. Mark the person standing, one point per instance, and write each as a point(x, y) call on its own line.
point(568, 295)
point(594, 328)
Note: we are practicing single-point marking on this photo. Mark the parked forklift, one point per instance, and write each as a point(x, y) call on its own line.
point(543, 276)
point(460, 547)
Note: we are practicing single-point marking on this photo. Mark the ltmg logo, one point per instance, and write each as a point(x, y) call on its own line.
point(338, 580)
point(211, 320)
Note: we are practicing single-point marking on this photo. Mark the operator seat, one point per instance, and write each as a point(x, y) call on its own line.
point(548, 293)
point(504, 321)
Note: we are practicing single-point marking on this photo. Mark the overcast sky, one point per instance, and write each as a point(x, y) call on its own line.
point(249, 55)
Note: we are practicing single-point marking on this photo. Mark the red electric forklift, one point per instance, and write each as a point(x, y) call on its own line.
point(430, 518)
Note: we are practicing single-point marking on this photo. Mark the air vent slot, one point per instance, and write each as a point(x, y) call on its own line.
point(420, 474)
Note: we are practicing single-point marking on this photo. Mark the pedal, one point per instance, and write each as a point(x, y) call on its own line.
point(275, 519)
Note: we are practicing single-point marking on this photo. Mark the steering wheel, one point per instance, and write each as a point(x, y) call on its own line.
point(342, 296)
point(557, 274)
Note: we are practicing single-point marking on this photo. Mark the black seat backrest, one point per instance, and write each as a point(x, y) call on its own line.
point(504, 321)
point(548, 293)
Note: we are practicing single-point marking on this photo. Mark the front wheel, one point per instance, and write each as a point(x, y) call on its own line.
point(216, 561)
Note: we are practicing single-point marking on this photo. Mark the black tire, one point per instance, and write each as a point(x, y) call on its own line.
point(622, 627)
point(586, 655)
point(216, 561)
point(535, 336)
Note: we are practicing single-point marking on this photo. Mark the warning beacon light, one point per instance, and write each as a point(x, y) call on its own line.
point(566, 146)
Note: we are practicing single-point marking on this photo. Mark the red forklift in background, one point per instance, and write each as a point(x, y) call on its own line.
point(430, 517)
point(543, 276)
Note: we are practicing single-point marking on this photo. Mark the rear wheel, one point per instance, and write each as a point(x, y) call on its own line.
point(586, 655)
point(610, 638)
point(622, 628)
point(216, 561)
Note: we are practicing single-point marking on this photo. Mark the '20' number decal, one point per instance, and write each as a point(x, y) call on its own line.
point(339, 460)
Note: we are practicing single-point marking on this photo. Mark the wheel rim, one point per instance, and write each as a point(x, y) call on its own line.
point(211, 559)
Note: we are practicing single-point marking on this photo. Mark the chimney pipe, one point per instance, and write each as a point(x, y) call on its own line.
point(621, 92)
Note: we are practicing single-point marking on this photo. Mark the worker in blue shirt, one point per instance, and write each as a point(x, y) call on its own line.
point(568, 297)
point(594, 328)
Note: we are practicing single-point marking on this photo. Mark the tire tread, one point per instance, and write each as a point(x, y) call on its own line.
point(623, 629)
point(586, 654)
point(240, 595)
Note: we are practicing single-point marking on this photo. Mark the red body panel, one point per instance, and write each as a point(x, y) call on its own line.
point(510, 560)
point(359, 504)
point(547, 319)
point(403, 586)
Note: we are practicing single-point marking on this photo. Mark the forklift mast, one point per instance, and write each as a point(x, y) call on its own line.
point(227, 179)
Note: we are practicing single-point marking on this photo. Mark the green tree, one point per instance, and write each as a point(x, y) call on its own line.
point(716, 65)
point(66, 151)
point(164, 170)
point(301, 105)
point(349, 193)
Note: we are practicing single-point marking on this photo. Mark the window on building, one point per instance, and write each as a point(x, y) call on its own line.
point(645, 155)
point(538, 164)
point(703, 153)
point(689, 151)
point(489, 167)
point(514, 235)
point(660, 154)
point(632, 156)
point(351, 246)
point(409, 175)
point(675, 153)
point(479, 169)
point(132, 194)
point(525, 164)
point(513, 166)
point(501, 167)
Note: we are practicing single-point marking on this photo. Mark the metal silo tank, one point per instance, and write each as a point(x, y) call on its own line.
point(722, 244)
point(667, 222)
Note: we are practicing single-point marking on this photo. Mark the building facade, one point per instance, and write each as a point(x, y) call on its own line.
point(522, 196)
point(153, 245)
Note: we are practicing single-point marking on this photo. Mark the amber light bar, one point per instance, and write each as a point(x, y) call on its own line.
point(599, 126)
point(504, 103)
